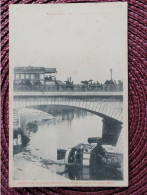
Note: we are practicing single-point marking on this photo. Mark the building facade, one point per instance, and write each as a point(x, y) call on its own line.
point(34, 75)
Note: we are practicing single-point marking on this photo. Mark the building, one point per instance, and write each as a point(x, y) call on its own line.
point(34, 75)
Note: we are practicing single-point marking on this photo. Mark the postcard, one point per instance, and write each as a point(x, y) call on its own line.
point(68, 93)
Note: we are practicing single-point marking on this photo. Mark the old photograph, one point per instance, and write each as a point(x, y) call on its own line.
point(68, 95)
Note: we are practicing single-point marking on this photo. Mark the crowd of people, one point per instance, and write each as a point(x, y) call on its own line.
point(86, 85)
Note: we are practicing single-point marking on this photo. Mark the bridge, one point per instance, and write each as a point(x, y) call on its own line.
point(107, 105)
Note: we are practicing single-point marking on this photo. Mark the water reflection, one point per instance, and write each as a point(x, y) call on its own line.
point(79, 172)
point(68, 128)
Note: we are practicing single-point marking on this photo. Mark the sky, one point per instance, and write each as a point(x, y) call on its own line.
point(82, 42)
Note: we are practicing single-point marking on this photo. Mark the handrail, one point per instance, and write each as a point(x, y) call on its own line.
point(57, 87)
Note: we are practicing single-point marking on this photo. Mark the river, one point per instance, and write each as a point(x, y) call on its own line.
point(66, 128)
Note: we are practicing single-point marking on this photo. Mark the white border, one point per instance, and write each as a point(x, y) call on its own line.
point(124, 183)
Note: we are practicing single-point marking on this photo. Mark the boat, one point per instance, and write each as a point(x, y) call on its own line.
point(93, 161)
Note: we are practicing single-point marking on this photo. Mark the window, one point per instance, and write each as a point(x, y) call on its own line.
point(32, 76)
point(27, 76)
point(41, 76)
point(17, 76)
point(22, 76)
point(37, 76)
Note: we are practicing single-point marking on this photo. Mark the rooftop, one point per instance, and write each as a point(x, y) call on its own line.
point(31, 69)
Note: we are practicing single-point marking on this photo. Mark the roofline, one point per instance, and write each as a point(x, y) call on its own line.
point(31, 69)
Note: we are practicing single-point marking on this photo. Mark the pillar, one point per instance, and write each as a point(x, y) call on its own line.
point(111, 131)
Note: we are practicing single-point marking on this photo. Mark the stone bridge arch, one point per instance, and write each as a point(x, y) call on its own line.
point(111, 112)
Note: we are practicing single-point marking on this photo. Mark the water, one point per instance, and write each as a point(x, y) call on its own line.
point(66, 128)
point(64, 131)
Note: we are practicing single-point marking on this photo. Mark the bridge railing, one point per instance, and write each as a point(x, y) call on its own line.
point(66, 88)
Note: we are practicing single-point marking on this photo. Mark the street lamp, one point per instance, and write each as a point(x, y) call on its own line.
point(111, 73)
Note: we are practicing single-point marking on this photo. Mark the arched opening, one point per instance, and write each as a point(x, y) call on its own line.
point(67, 126)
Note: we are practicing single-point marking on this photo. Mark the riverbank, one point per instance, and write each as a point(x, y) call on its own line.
point(29, 167)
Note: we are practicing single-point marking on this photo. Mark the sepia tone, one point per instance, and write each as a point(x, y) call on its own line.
point(69, 132)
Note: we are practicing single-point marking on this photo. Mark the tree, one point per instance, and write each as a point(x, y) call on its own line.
point(90, 81)
point(85, 82)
